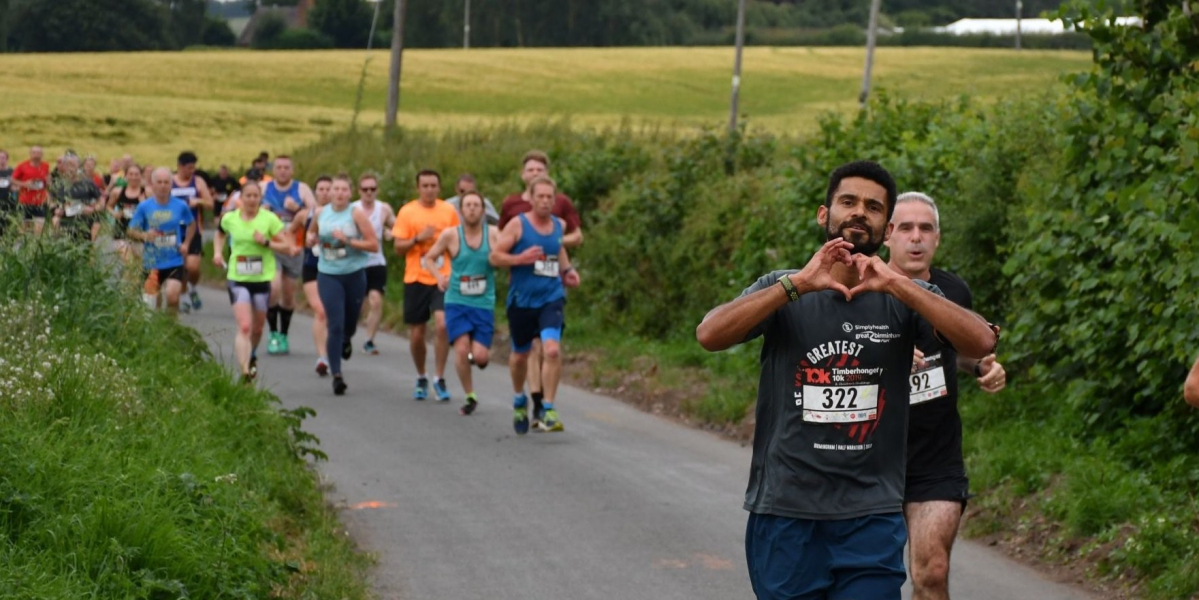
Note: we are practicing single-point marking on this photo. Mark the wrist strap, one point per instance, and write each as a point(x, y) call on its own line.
point(792, 293)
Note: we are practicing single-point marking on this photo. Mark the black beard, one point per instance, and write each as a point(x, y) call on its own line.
point(869, 248)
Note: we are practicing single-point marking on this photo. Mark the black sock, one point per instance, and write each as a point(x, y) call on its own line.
point(285, 319)
point(537, 398)
point(272, 318)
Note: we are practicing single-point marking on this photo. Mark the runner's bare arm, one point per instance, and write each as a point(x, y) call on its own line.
point(573, 239)
point(187, 238)
point(298, 222)
point(389, 221)
point(281, 243)
point(402, 245)
point(113, 197)
point(368, 243)
point(307, 198)
point(218, 248)
point(967, 332)
point(204, 194)
point(314, 231)
point(1191, 390)
point(501, 253)
point(439, 247)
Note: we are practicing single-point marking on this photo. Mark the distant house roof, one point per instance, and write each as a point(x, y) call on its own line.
point(1008, 26)
point(294, 16)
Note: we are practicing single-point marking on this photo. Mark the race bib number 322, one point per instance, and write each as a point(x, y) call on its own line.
point(840, 395)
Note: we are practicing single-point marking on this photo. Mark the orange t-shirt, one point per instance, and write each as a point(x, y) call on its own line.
point(411, 220)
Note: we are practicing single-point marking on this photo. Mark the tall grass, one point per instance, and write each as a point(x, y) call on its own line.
point(131, 466)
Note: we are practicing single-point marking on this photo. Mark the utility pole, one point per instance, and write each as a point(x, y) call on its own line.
point(1019, 9)
point(871, 39)
point(737, 66)
point(397, 53)
point(466, 27)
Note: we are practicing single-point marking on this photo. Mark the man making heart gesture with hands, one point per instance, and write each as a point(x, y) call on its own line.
point(826, 481)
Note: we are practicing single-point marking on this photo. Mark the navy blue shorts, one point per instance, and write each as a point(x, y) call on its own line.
point(847, 559)
point(525, 324)
point(478, 323)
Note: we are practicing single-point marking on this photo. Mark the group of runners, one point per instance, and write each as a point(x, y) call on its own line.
point(275, 234)
point(858, 439)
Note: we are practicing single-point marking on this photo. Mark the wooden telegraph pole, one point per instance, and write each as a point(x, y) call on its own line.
point(397, 53)
point(737, 66)
point(871, 39)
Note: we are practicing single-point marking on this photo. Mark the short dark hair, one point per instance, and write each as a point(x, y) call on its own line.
point(467, 177)
point(426, 173)
point(865, 169)
point(536, 155)
point(187, 157)
point(322, 178)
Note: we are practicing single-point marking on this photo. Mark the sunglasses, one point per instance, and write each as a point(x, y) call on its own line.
point(369, 189)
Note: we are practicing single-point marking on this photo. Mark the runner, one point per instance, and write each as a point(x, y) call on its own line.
point(532, 246)
point(122, 202)
point(1190, 390)
point(383, 219)
point(89, 172)
point(346, 239)
point(166, 225)
point(466, 184)
point(826, 479)
point(536, 164)
point(302, 223)
point(255, 237)
point(222, 187)
point(284, 197)
point(32, 179)
point(192, 190)
point(416, 230)
point(469, 290)
point(76, 199)
point(937, 488)
point(8, 198)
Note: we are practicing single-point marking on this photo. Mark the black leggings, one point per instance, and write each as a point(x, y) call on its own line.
point(342, 296)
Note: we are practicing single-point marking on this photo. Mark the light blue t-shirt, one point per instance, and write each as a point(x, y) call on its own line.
point(172, 220)
point(339, 258)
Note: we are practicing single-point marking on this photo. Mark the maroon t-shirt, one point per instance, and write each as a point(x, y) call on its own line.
point(563, 209)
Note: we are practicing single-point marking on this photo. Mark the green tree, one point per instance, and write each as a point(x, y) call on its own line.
point(89, 26)
point(346, 22)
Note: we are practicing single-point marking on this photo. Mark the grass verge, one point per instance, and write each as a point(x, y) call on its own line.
point(131, 466)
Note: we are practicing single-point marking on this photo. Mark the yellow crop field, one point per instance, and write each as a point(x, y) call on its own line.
point(228, 105)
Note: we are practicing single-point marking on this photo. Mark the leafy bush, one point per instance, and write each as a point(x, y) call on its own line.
point(298, 39)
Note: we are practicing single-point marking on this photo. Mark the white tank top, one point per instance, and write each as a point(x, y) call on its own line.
point(375, 259)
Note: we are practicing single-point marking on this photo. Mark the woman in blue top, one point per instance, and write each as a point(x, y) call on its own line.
point(341, 237)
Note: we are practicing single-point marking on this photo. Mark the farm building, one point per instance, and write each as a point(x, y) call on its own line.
point(1008, 26)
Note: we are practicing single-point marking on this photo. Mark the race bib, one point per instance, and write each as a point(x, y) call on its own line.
point(222, 198)
point(929, 382)
point(169, 240)
point(249, 266)
point(37, 184)
point(841, 395)
point(127, 212)
point(472, 285)
point(4, 183)
point(546, 267)
point(74, 207)
point(332, 253)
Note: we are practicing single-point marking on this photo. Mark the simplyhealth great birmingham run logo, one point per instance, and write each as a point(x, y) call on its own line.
point(879, 334)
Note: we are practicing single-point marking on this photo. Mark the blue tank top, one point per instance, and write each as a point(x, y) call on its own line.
point(276, 199)
point(534, 286)
point(472, 278)
point(186, 193)
point(338, 258)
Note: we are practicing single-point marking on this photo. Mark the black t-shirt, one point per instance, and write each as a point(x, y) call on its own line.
point(832, 416)
point(935, 433)
point(223, 187)
point(74, 195)
point(8, 192)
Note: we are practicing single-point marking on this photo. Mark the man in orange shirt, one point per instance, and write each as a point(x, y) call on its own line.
point(32, 180)
point(417, 226)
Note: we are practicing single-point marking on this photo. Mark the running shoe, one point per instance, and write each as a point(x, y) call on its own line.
point(550, 421)
point(422, 389)
point(253, 367)
point(347, 349)
point(369, 348)
point(538, 414)
point(185, 307)
point(284, 347)
point(520, 421)
point(195, 298)
point(470, 406)
point(322, 367)
point(339, 386)
point(272, 345)
point(443, 395)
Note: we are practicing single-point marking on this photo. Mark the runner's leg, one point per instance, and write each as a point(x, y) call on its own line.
point(374, 313)
point(320, 329)
point(355, 284)
point(462, 347)
point(333, 297)
point(172, 289)
point(243, 313)
point(416, 343)
point(551, 369)
point(441, 344)
point(932, 527)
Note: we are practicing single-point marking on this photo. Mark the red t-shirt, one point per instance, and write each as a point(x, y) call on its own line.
point(563, 209)
point(27, 172)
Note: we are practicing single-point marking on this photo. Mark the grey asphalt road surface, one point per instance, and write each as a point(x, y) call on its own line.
point(622, 505)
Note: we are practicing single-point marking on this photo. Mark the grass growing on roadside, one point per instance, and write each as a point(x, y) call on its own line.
point(131, 466)
point(229, 105)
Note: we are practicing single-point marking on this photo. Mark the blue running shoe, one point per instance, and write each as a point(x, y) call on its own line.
point(520, 421)
point(443, 395)
point(195, 298)
point(422, 389)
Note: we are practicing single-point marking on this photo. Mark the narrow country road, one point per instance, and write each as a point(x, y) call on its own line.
point(622, 505)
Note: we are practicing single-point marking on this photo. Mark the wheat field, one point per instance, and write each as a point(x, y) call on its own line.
point(229, 105)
